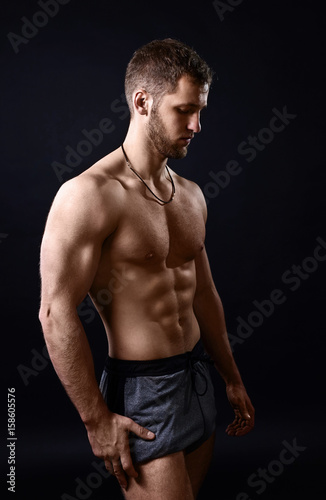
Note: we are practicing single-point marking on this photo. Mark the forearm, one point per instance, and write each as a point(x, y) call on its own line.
point(209, 312)
point(72, 359)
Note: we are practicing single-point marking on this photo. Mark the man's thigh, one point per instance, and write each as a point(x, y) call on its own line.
point(164, 478)
point(198, 462)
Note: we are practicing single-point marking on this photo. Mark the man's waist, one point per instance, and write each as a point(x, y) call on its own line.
point(159, 366)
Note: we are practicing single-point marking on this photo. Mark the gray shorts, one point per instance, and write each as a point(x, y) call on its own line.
point(173, 397)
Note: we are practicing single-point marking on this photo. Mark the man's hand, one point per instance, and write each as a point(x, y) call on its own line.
point(109, 440)
point(244, 411)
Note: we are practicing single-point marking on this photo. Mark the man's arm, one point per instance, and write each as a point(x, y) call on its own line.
point(71, 248)
point(210, 316)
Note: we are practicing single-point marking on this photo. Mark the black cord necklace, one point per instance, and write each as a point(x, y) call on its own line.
point(139, 177)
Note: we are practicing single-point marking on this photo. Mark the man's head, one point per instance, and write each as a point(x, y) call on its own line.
point(158, 66)
point(168, 82)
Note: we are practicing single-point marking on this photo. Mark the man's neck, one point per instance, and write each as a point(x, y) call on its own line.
point(143, 155)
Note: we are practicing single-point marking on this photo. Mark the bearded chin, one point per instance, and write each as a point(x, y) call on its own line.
point(157, 134)
point(173, 152)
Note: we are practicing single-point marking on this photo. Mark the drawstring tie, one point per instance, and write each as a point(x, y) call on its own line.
point(195, 374)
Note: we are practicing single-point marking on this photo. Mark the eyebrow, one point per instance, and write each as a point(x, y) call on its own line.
point(192, 105)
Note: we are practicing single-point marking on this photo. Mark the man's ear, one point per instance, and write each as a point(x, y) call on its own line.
point(142, 101)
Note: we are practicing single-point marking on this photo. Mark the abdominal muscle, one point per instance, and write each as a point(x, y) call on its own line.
point(148, 311)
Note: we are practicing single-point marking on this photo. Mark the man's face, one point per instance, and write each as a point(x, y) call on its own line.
point(173, 123)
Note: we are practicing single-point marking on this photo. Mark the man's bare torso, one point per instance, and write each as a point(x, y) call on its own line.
point(145, 281)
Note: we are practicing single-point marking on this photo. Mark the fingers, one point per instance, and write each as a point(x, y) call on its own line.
point(239, 427)
point(121, 469)
point(244, 412)
point(109, 467)
point(140, 431)
point(120, 465)
point(119, 474)
point(128, 466)
point(242, 424)
point(115, 468)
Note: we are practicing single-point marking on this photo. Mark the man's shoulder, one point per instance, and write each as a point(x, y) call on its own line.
point(95, 183)
point(94, 195)
point(88, 204)
point(185, 183)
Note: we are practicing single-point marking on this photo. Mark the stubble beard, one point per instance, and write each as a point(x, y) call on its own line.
point(158, 135)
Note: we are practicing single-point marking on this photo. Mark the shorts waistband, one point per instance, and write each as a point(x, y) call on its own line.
point(155, 367)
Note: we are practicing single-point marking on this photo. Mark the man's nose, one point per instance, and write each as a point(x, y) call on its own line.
point(194, 123)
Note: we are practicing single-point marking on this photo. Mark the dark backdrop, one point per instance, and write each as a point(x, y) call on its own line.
point(265, 235)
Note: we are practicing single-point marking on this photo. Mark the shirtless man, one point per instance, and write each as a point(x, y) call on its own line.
point(131, 217)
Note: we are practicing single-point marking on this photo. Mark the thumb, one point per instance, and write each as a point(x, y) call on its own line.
point(244, 413)
point(140, 431)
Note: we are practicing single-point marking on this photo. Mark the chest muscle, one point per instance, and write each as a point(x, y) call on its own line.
point(170, 235)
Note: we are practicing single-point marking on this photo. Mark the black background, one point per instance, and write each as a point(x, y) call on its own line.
point(66, 78)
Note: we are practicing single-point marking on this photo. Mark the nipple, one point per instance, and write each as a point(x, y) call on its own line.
point(149, 256)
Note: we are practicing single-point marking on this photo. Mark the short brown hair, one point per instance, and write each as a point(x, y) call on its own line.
point(157, 67)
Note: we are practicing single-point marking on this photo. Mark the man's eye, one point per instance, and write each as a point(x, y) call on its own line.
point(183, 111)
